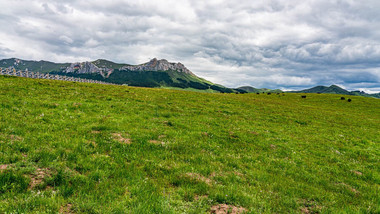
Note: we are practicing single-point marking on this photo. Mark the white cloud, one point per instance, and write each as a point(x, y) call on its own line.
point(288, 44)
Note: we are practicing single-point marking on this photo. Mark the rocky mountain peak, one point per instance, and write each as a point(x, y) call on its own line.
point(159, 65)
point(105, 68)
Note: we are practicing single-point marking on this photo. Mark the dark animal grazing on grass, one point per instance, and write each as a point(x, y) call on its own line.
point(342, 98)
point(303, 96)
point(318, 92)
point(269, 93)
point(257, 93)
point(236, 92)
point(349, 100)
point(278, 93)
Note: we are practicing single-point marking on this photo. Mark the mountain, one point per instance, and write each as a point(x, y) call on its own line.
point(334, 89)
point(250, 89)
point(155, 73)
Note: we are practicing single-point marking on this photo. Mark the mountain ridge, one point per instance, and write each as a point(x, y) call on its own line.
point(155, 73)
point(334, 89)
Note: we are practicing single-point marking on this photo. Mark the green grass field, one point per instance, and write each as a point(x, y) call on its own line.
point(87, 148)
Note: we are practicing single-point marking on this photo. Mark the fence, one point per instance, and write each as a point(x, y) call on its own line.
point(38, 75)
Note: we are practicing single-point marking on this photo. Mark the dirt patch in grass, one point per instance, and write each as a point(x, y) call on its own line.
point(66, 209)
point(200, 197)
point(77, 104)
point(199, 177)
point(310, 206)
point(92, 143)
point(205, 134)
point(254, 133)
point(3, 167)
point(15, 138)
point(350, 188)
point(161, 136)
point(121, 139)
point(357, 172)
point(38, 177)
point(225, 208)
point(95, 132)
point(157, 142)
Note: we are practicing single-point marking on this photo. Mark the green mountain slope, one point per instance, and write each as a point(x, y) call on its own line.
point(34, 66)
point(156, 73)
point(250, 89)
point(70, 147)
point(333, 89)
point(102, 63)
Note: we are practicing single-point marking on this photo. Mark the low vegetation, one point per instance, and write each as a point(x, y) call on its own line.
point(69, 147)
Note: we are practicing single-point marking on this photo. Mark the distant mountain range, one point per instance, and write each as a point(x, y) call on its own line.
point(155, 73)
point(334, 89)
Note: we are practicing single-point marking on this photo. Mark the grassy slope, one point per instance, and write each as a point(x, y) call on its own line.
point(35, 66)
point(103, 63)
point(271, 154)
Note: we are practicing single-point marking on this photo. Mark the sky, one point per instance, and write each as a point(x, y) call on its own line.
point(286, 44)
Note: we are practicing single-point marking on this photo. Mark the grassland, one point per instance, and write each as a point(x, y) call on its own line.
point(87, 148)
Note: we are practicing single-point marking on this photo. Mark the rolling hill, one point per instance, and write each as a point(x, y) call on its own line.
point(69, 147)
point(334, 89)
point(250, 89)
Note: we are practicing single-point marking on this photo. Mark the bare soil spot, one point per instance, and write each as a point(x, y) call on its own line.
point(3, 167)
point(273, 146)
point(200, 197)
point(121, 139)
point(225, 208)
point(77, 104)
point(66, 209)
point(350, 188)
point(357, 172)
point(15, 138)
point(199, 177)
point(253, 132)
point(233, 135)
point(38, 177)
point(92, 143)
point(238, 174)
point(310, 206)
point(95, 132)
point(204, 134)
point(156, 142)
point(161, 136)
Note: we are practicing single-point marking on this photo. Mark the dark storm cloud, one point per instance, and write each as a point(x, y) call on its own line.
point(275, 44)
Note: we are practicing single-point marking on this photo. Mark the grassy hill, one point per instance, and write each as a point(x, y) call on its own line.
point(89, 148)
point(251, 89)
point(334, 89)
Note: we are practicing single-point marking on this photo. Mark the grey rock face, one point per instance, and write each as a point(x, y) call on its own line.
point(159, 65)
point(152, 65)
point(86, 68)
point(82, 68)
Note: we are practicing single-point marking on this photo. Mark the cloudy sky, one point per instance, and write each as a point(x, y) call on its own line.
point(287, 44)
